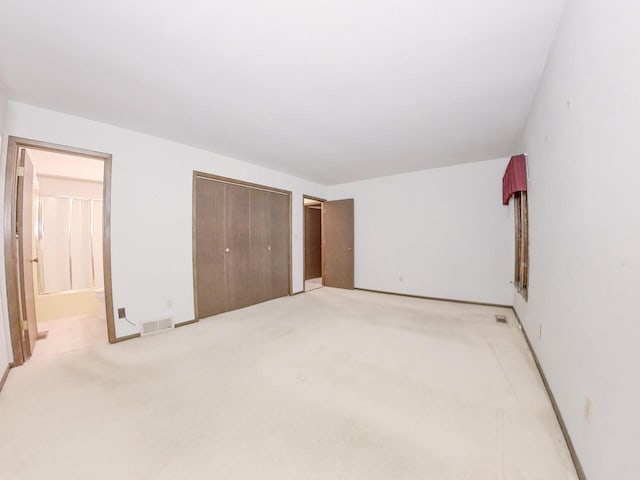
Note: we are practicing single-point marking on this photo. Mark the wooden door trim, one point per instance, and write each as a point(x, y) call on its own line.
point(290, 244)
point(242, 183)
point(127, 337)
point(310, 197)
point(233, 181)
point(194, 263)
point(304, 242)
point(10, 242)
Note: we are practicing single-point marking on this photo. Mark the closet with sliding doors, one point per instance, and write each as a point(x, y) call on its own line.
point(241, 250)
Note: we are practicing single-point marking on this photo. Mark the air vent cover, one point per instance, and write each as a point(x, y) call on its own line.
point(501, 318)
point(155, 326)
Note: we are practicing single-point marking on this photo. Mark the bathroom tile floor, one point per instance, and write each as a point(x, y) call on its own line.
point(67, 334)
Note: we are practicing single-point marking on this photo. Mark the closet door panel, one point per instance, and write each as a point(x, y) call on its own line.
point(209, 248)
point(237, 246)
point(279, 245)
point(260, 245)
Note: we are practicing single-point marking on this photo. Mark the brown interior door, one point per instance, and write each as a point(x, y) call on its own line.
point(337, 235)
point(237, 233)
point(209, 248)
point(279, 244)
point(26, 257)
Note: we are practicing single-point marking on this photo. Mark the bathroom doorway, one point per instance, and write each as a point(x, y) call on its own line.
point(61, 224)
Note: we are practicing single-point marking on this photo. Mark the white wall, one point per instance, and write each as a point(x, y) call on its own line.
point(3, 108)
point(151, 208)
point(438, 233)
point(584, 169)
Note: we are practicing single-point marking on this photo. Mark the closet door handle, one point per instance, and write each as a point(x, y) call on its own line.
point(227, 250)
point(269, 247)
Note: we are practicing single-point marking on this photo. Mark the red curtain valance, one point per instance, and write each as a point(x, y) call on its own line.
point(515, 177)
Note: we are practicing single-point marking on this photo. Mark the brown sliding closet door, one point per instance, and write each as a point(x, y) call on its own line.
point(279, 278)
point(337, 235)
point(241, 244)
point(260, 243)
point(237, 229)
point(269, 245)
point(209, 247)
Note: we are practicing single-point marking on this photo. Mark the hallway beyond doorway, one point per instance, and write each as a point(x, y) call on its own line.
point(312, 284)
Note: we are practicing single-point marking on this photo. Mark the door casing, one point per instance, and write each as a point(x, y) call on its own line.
point(304, 240)
point(13, 282)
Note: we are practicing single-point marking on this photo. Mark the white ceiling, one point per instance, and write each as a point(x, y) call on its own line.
point(330, 90)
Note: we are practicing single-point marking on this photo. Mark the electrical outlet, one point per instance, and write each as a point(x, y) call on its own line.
point(121, 313)
point(588, 408)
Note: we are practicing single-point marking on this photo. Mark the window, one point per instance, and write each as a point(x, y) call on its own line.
point(521, 207)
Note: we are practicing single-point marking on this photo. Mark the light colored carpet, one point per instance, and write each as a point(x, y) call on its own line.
point(312, 284)
point(331, 384)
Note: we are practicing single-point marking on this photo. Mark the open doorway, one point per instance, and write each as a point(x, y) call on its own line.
point(65, 245)
point(328, 243)
point(58, 261)
point(312, 242)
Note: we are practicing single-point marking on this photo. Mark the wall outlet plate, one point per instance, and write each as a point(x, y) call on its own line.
point(121, 313)
point(501, 318)
point(588, 408)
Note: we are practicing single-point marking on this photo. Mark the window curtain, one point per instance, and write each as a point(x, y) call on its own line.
point(515, 177)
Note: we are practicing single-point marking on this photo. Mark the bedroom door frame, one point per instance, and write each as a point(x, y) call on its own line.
point(13, 280)
point(304, 241)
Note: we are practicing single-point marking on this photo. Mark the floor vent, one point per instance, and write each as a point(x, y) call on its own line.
point(501, 318)
point(155, 326)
